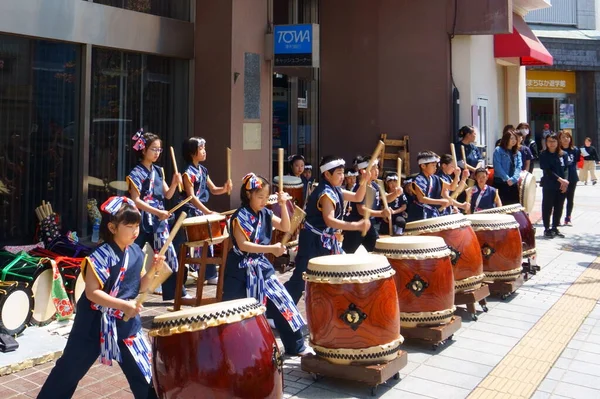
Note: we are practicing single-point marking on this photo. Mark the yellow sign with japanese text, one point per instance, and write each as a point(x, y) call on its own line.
point(551, 82)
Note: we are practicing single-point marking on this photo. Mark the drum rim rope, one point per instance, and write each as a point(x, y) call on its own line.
point(348, 277)
point(469, 283)
point(415, 253)
point(426, 318)
point(435, 226)
point(504, 210)
point(378, 353)
point(530, 252)
point(201, 322)
point(495, 226)
point(503, 275)
point(206, 219)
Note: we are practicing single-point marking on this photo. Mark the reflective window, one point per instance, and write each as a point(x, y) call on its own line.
point(132, 91)
point(177, 9)
point(39, 138)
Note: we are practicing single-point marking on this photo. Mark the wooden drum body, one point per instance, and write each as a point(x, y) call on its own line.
point(424, 278)
point(501, 245)
point(203, 228)
point(293, 186)
point(465, 253)
point(221, 351)
point(352, 309)
point(525, 227)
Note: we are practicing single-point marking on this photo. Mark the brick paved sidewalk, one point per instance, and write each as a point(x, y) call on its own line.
point(478, 353)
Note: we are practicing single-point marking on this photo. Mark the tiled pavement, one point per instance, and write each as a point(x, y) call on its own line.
point(456, 370)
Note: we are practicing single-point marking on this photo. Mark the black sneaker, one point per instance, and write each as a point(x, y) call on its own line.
point(548, 234)
point(594, 182)
point(558, 233)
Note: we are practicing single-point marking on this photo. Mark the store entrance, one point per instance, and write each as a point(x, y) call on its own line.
point(558, 112)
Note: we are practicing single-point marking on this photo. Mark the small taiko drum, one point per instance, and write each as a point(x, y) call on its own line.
point(424, 278)
point(203, 228)
point(293, 186)
point(352, 309)
point(465, 253)
point(527, 188)
point(501, 245)
point(525, 227)
point(223, 350)
point(16, 304)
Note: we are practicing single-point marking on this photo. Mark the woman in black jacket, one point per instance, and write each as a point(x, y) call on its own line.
point(566, 142)
point(553, 161)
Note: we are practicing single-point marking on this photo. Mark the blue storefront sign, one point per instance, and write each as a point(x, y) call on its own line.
point(296, 45)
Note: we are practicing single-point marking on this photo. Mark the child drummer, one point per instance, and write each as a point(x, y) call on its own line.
point(430, 190)
point(445, 172)
point(248, 272)
point(482, 196)
point(353, 239)
point(398, 205)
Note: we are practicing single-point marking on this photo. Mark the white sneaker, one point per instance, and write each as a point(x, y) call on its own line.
point(307, 351)
point(193, 275)
point(158, 290)
point(212, 281)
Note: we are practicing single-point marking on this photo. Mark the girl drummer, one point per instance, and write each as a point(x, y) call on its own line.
point(507, 168)
point(248, 273)
point(468, 135)
point(198, 185)
point(565, 139)
point(553, 161)
point(354, 239)
point(297, 167)
point(482, 195)
point(398, 205)
point(445, 172)
point(113, 278)
point(148, 190)
point(429, 189)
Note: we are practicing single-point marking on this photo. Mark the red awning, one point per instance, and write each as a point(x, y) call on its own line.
point(522, 43)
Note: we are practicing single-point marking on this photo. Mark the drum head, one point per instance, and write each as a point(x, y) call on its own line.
point(119, 185)
point(527, 190)
point(94, 181)
point(506, 209)
point(490, 221)
point(436, 224)
point(412, 247)
point(288, 181)
point(15, 308)
point(43, 307)
point(348, 268)
point(204, 219)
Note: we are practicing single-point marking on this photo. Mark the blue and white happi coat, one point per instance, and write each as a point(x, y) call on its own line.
point(255, 227)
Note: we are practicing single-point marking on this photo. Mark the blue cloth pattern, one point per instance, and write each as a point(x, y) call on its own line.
point(198, 177)
point(432, 188)
point(101, 261)
point(483, 198)
point(328, 238)
point(149, 184)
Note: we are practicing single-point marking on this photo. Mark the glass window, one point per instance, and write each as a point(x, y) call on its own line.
point(177, 9)
point(39, 138)
point(132, 91)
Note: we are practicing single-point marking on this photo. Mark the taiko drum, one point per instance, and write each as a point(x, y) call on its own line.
point(221, 351)
point(501, 247)
point(352, 309)
point(465, 254)
point(203, 228)
point(424, 278)
point(525, 226)
point(293, 186)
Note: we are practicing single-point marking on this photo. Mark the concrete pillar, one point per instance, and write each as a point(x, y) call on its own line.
point(233, 89)
point(516, 95)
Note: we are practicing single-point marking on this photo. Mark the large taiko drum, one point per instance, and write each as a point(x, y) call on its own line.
point(204, 228)
point(352, 309)
point(424, 278)
point(465, 253)
point(525, 227)
point(221, 351)
point(501, 245)
point(293, 186)
point(527, 188)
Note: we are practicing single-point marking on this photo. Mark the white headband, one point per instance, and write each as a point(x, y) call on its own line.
point(308, 167)
point(392, 177)
point(429, 160)
point(336, 163)
point(351, 174)
point(363, 165)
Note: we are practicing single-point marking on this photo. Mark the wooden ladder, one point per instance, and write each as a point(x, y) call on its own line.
point(393, 150)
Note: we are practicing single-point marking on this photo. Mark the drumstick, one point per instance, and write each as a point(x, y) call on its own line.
point(228, 168)
point(280, 164)
point(182, 203)
point(175, 166)
point(230, 212)
point(297, 218)
point(453, 151)
point(399, 167)
point(469, 192)
point(378, 149)
point(462, 150)
point(385, 204)
point(164, 272)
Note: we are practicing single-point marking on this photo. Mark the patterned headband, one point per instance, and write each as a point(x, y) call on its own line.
point(113, 204)
point(140, 141)
point(252, 182)
point(391, 177)
point(308, 167)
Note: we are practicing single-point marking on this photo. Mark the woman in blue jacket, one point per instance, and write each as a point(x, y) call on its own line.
point(507, 167)
point(553, 161)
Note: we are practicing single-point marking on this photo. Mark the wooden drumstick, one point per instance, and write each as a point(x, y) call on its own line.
point(175, 166)
point(399, 170)
point(229, 168)
point(469, 192)
point(280, 165)
point(229, 212)
point(385, 204)
point(164, 272)
point(453, 151)
point(462, 150)
point(378, 149)
point(182, 203)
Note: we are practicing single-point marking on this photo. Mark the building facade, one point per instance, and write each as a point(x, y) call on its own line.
point(78, 78)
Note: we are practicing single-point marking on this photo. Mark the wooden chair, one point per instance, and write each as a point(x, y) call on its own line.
point(393, 150)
